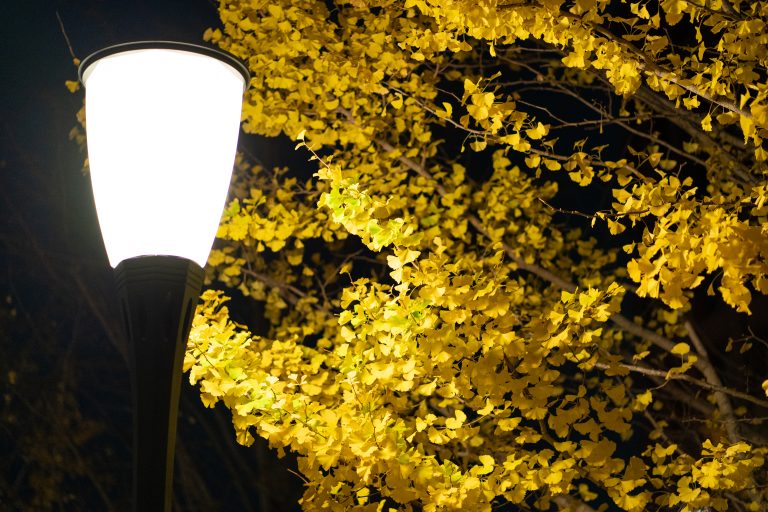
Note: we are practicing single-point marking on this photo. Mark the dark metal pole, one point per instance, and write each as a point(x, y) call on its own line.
point(158, 295)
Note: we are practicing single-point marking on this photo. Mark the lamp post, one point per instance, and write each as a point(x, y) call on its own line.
point(162, 121)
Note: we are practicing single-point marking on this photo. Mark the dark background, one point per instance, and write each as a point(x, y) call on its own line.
point(65, 415)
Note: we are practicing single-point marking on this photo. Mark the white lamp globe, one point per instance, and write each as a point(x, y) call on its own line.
point(162, 121)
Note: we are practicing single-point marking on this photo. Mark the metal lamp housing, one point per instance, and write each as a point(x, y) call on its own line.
point(162, 121)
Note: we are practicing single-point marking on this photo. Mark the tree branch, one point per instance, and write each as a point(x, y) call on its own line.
point(690, 124)
point(610, 119)
point(289, 292)
point(687, 378)
point(649, 66)
point(621, 321)
point(726, 409)
point(566, 501)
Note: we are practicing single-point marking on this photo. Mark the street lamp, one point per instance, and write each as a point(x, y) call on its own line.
point(162, 120)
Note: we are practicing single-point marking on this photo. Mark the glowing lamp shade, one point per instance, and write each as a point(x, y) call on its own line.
point(162, 123)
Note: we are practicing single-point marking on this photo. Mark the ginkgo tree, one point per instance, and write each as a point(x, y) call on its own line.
point(479, 295)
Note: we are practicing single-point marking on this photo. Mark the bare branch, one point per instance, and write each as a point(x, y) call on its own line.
point(688, 378)
point(726, 409)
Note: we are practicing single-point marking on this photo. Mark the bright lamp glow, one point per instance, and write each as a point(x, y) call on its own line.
point(162, 126)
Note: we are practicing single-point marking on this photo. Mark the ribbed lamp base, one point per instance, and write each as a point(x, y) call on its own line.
point(158, 295)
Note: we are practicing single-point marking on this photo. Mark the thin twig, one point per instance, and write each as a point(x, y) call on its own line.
point(66, 39)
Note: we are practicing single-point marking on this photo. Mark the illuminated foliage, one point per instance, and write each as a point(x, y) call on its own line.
point(444, 334)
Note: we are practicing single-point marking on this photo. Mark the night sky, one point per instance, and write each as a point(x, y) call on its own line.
point(65, 414)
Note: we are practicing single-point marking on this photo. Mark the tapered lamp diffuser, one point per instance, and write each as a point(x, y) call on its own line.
point(162, 122)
